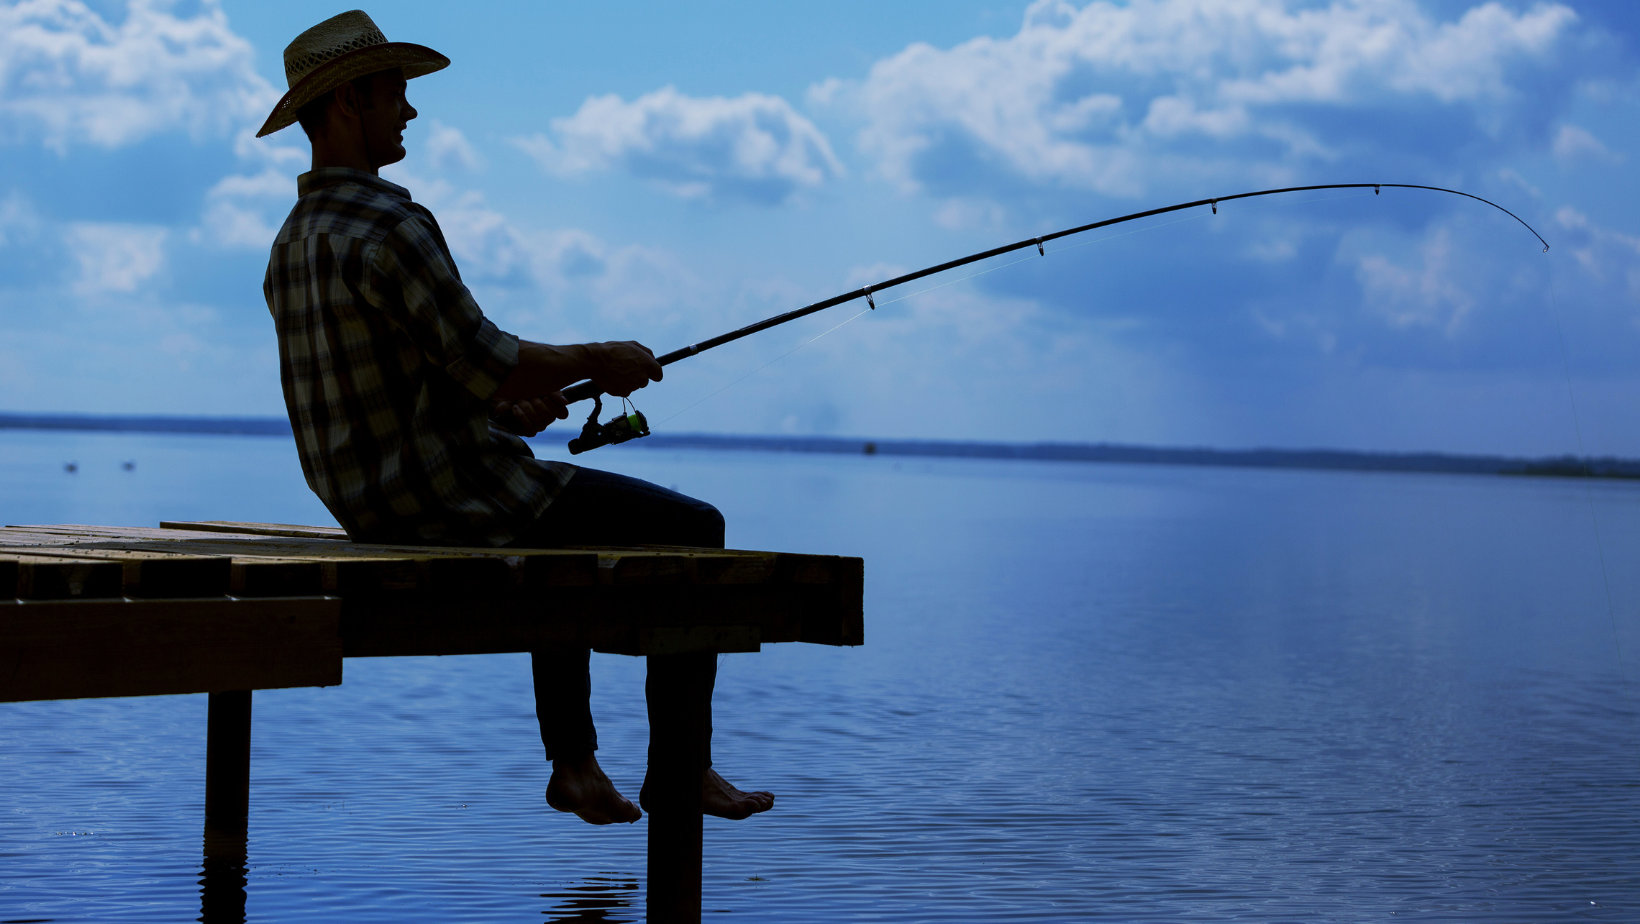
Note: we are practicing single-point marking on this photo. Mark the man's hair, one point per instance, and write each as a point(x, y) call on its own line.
point(312, 115)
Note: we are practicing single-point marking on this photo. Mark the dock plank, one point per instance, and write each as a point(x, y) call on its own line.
point(258, 529)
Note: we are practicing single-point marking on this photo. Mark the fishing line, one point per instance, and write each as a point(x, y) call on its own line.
point(762, 367)
point(581, 391)
point(1026, 259)
point(1588, 493)
point(818, 336)
point(633, 425)
point(942, 285)
point(959, 279)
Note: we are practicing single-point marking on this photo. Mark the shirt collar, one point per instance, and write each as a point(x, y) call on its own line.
point(315, 180)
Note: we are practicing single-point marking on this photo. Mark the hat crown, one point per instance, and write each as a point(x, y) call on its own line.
point(330, 39)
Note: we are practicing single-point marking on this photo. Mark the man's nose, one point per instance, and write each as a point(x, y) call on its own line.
point(409, 112)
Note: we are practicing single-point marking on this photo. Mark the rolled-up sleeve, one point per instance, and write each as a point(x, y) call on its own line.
point(412, 280)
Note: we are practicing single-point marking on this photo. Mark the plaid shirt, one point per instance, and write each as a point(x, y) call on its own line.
point(388, 365)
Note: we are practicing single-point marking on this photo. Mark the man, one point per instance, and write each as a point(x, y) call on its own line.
point(401, 393)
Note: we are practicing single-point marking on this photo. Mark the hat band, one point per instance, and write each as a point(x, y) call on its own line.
point(296, 69)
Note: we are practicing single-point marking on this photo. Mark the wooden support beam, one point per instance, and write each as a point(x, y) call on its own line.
point(620, 620)
point(69, 649)
point(227, 808)
point(222, 896)
point(46, 577)
point(228, 762)
point(679, 690)
point(157, 574)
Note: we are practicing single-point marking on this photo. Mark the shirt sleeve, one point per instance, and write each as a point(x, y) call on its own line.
point(411, 278)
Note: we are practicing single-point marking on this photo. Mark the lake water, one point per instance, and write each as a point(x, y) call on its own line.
point(1087, 692)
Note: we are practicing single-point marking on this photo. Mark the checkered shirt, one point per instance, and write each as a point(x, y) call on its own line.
point(388, 366)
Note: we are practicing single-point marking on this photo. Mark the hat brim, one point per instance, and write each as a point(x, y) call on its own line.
point(415, 60)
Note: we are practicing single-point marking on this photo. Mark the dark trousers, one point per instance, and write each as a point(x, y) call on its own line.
point(602, 508)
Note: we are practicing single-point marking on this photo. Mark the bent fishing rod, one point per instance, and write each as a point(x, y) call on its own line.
point(631, 426)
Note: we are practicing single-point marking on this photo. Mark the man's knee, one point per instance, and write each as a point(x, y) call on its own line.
point(707, 526)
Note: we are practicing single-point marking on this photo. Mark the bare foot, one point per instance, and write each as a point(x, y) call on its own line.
point(579, 785)
point(721, 799)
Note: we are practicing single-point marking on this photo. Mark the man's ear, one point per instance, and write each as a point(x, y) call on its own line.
point(347, 100)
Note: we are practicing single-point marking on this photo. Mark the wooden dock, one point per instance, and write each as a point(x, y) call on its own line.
point(229, 608)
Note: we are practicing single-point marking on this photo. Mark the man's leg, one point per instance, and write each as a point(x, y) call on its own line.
point(563, 689)
point(602, 508)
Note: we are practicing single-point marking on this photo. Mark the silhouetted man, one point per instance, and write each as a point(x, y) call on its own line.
point(398, 386)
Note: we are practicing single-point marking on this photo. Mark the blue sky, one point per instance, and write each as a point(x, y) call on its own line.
point(665, 172)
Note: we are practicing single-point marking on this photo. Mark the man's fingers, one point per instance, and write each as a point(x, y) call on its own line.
point(546, 409)
point(624, 367)
point(533, 415)
point(652, 369)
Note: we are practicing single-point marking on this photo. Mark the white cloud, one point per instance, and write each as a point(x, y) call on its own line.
point(1513, 177)
point(754, 146)
point(245, 211)
point(563, 280)
point(1602, 252)
point(1574, 144)
point(1111, 97)
point(961, 213)
point(115, 257)
point(448, 147)
point(1422, 295)
point(18, 220)
point(67, 75)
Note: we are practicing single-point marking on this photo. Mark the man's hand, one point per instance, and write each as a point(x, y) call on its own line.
point(529, 416)
point(617, 367)
point(621, 367)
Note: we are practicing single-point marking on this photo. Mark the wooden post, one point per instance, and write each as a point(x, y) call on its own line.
point(227, 807)
point(222, 878)
point(680, 711)
point(228, 761)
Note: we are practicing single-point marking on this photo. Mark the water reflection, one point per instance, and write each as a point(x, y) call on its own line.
point(597, 898)
point(222, 878)
point(1088, 694)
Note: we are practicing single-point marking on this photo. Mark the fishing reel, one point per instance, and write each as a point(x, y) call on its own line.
point(619, 429)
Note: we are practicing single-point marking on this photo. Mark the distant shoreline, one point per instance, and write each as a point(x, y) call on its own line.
point(224, 426)
point(1323, 459)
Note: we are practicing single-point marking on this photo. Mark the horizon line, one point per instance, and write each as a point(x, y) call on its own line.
point(1563, 465)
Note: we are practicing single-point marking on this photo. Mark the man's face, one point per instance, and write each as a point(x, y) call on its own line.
point(384, 117)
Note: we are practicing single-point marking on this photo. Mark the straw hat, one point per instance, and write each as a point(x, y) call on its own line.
point(340, 49)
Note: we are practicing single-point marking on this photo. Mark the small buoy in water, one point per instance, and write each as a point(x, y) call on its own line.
point(869, 449)
point(129, 466)
point(71, 467)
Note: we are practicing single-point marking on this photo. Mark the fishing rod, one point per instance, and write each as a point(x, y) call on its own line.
point(631, 426)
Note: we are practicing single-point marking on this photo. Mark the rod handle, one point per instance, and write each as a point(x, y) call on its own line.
point(581, 391)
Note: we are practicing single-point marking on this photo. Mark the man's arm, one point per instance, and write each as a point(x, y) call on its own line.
point(616, 367)
point(413, 281)
point(531, 394)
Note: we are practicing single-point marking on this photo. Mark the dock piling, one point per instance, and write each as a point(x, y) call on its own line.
point(680, 716)
point(228, 762)
point(227, 807)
